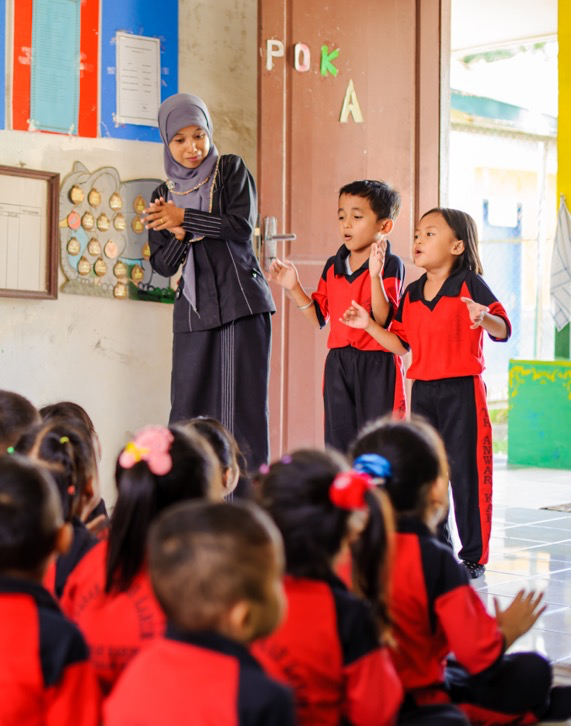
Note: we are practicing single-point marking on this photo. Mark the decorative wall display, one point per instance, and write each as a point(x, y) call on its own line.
point(64, 35)
point(28, 233)
point(143, 21)
point(107, 254)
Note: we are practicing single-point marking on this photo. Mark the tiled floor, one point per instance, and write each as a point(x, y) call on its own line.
point(530, 549)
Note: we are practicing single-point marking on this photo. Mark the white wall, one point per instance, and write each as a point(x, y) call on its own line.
point(113, 357)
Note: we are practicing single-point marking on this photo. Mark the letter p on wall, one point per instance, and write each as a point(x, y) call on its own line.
point(274, 49)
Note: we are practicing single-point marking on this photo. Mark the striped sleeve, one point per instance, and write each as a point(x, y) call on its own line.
point(397, 326)
point(320, 296)
point(481, 293)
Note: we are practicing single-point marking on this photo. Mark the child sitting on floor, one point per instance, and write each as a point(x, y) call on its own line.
point(217, 572)
point(436, 611)
point(45, 674)
point(17, 416)
point(329, 648)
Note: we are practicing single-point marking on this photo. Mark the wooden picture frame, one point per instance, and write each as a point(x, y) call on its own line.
point(29, 234)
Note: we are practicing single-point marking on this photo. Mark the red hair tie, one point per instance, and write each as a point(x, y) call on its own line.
point(348, 489)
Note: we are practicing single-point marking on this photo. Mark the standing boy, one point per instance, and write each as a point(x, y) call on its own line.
point(362, 380)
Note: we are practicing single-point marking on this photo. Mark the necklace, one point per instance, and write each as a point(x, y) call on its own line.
point(171, 187)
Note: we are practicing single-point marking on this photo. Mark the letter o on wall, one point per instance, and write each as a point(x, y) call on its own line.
point(301, 57)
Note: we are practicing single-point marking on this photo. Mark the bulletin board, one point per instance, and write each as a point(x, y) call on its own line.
point(36, 24)
point(141, 18)
point(3, 63)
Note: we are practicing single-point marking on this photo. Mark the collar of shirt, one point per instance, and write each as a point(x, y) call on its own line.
point(212, 641)
point(451, 288)
point(341, 261)
point(11, 584)
point(412, 524)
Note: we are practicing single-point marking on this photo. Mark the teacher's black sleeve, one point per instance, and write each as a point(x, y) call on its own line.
point(167, 253)
point(238, 206)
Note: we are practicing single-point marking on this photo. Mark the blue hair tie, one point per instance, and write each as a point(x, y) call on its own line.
point(374, 465)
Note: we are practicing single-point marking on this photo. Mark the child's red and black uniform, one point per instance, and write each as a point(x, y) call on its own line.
point(59, 570)
point(362, 380)
point(327, 650)
point(436, 612)
point(116, 625)
point(447, 363)
point(45, 674)
point(197, 678)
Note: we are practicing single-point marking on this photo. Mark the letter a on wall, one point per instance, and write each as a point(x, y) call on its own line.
point(351, 105)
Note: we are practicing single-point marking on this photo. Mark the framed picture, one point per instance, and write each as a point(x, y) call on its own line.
point(29, 236)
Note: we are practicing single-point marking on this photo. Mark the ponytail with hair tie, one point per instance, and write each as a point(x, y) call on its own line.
point(374, 465)
point(348, 490)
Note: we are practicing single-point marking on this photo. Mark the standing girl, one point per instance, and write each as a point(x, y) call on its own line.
point(204, 217)
point(442, 317)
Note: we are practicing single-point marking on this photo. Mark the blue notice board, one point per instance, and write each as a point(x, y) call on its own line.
point(140, 17)
point(3, 63)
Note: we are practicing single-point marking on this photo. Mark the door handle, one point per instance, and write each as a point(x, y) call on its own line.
point(267, 241)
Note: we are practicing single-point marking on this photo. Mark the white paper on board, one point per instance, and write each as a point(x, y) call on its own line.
point(138, 79)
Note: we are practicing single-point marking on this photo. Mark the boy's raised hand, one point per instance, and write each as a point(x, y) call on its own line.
point(377, 258)
point(476, 311)
point(356, 316)
point(283, 273)
point(519, 616)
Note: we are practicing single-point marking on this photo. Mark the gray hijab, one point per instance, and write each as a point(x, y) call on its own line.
point(176, 113)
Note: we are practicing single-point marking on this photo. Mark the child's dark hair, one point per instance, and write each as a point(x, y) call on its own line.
point(221, 440)
point(206, 557)
point(67, 410)
point(66, 449)
point(145, 489)
point(30, 514)
point(464, 228)
point(17, 415)
point(416, 456)
point(296, 494)
point(383, 199)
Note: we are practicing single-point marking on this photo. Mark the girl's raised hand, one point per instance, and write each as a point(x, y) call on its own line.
point(283, 273)
point(520, 615)
point(356, 316)
point(377, 258)
point(476, 312)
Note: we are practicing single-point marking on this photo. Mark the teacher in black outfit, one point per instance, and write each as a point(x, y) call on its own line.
point(204, 217)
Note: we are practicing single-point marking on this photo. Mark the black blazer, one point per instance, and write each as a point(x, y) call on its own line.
point(229, 281)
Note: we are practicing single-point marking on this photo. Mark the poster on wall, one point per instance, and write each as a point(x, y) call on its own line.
point(104, 245)
point(129, 109)
point(55, 66)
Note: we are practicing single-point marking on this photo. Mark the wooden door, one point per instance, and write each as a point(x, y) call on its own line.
point(370, 110)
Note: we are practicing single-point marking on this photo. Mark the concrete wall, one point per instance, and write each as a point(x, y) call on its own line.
point(113, 357)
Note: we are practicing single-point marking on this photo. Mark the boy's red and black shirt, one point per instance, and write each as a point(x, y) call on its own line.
point(197, 678)
point(438, 331)
point(337, 289)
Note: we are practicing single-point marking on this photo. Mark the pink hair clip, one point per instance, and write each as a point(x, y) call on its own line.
point(150, 445)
